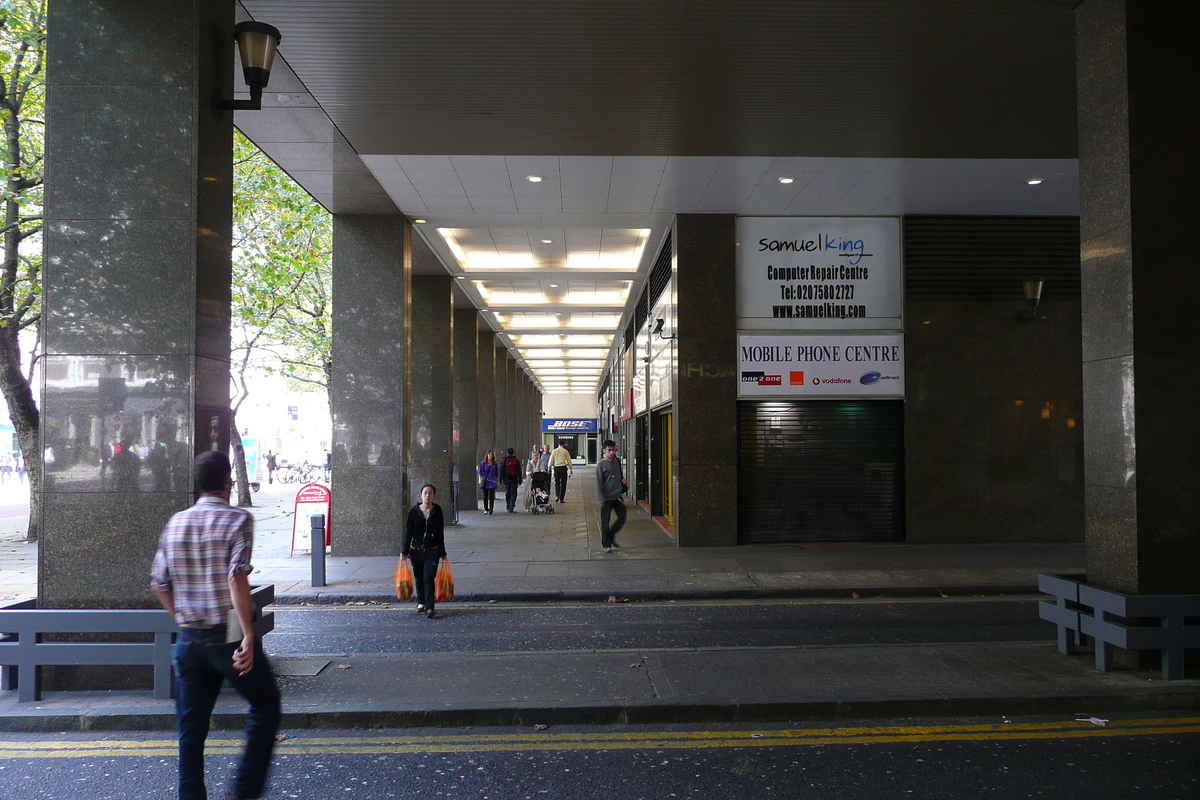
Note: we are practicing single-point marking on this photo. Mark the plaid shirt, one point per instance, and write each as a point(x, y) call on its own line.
point(198, 552)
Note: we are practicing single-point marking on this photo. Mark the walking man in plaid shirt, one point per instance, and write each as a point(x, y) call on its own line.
point(201, 571)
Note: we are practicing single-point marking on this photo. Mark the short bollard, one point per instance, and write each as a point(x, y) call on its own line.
point(316, 541)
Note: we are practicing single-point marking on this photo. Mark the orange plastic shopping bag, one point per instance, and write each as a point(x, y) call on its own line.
point(444, 582)
point(404, 580)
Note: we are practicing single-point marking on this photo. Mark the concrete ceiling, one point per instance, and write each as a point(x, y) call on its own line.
point(632, 112)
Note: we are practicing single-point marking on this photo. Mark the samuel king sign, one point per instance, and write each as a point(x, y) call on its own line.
point(819, 273)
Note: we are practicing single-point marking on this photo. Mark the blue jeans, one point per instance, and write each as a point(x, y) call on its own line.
point(510, 495)
point(608, 534)
point(202, 662)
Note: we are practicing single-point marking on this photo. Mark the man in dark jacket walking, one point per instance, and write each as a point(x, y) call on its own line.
point(610, 490)
point(512, 474)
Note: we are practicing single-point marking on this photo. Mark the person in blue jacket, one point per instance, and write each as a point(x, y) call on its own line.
point(425, 546)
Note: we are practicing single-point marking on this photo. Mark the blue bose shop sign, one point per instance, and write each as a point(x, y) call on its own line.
point(570, 426)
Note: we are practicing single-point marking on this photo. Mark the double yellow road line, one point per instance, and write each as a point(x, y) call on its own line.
point(625, 740)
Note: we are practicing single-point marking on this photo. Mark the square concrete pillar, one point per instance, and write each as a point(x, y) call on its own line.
point(485, 391)
point(500, 400)
point(1138, 169)
point(136, 295)
point(706, 387)
point(370, 384)
point(466, 403)
point(431, 426)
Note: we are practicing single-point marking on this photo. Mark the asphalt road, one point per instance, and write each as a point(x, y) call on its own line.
point(512, 627)
point(1149, 757)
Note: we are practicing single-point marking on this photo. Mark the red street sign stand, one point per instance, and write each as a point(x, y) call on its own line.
point(312, 499)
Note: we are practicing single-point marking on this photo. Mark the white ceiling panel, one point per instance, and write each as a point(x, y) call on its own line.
point(732, 184)
point(485, 179)
point(585, 183)
point(635, 182)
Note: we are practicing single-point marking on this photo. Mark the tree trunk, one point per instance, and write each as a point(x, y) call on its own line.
point(26, 420)
point(241, 480)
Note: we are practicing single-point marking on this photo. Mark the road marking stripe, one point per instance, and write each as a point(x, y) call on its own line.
point(359, 745)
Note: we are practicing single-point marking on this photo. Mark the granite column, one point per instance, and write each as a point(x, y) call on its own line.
point(136, 293)
point(706, 382)
point(485, 387)
point(431, 426)
point(370, 384)
point(466, 403)
point(1138, 170)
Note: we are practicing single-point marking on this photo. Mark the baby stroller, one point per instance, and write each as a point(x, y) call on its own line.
point(540, 486)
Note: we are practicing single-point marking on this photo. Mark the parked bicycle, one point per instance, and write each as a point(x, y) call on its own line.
point(299, 473)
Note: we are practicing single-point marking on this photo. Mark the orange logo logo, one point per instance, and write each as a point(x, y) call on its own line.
point(797, 378)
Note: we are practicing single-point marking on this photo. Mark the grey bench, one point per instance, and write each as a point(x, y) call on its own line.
point(1162, 622)
point(23, 653)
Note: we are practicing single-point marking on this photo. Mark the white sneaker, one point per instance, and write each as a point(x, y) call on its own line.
point(608, 549)
point(420, 608)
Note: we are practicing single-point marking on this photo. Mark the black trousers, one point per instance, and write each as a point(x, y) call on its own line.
point(489, 499)
point(424, 566)
point(560, 483)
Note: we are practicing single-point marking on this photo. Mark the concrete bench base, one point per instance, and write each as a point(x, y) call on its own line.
point(1161, 622)
point(23, 653)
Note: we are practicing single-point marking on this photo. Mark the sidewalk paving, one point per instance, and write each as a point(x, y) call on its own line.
point(524, 557)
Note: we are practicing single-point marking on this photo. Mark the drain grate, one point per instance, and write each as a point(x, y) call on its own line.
point(299, 667)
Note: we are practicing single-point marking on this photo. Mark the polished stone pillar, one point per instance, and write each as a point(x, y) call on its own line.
point(431, 426)
point(1138, 172)
point(706, 389)
point(136, 294)
point(370, 385)
point(513, 426)
point(500, 398)
point(466, 402)
point(485, 388)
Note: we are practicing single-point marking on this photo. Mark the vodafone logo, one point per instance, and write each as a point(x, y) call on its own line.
point(819, 381)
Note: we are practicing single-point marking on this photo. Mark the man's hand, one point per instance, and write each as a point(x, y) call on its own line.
point(243, 657)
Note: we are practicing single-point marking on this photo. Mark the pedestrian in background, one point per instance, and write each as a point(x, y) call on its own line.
point(610, 491)
point(425, 546)
point(272, 465)
point(510, 473)
point(532, 465)
point(200, 574)
point(489, 479)
point(561, 463)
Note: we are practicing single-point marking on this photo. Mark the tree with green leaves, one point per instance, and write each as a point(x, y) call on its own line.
point(22, 107)
point(283, 244)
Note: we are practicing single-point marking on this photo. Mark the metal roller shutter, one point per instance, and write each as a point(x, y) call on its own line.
point(821, 471)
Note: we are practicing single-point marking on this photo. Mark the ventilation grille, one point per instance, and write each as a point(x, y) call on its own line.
point(988, 258)
point(660, 275)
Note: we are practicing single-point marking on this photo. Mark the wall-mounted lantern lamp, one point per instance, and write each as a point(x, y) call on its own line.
point(658, 328)
point(256, 43)
point(1033, 295)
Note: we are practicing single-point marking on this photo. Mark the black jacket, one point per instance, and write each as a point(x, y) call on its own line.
point(424, 535)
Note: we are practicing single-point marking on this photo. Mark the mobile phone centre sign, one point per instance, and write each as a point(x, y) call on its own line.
point(841, 365)
point(819, 273)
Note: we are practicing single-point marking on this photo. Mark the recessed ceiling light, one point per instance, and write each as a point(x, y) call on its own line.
point(460, 277)
point(547, 241)
point(786, 180)
point(554, 286)
point(534, 179)
point(419, 221)
point(1034, 181)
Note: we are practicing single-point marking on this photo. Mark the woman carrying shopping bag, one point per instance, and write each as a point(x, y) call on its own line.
point(425, 545)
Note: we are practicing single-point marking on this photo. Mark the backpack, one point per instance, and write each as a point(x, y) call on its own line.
point(512, 468)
